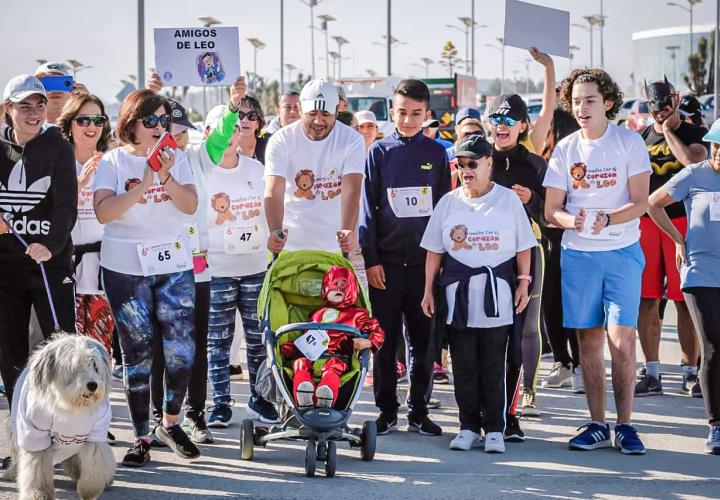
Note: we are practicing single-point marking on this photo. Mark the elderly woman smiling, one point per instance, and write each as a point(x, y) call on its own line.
point(481, 236)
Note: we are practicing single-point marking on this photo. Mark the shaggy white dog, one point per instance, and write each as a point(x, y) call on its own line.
point(61, 414)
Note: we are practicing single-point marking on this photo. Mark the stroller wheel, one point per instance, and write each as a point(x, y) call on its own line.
point(330, 459)
point(247, 439)
point(369, 437)
point(310, 458)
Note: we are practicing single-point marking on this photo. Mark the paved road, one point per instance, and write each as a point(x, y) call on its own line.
point(408, 465)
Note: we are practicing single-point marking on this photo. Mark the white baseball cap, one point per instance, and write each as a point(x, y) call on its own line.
point(214, 115)
point(54, 67)
point(21, 87)
point(319, 95)
point(366, 116)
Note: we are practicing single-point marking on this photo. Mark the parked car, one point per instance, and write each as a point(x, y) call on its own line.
point(639, 115)
point(624, 110)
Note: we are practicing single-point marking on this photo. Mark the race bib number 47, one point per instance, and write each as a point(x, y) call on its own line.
point(313, 344)
point(165, 257)
point(411, 201)
point(243, 239)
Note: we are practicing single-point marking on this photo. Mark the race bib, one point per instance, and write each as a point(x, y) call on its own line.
point(612, 232)
point(193, 236)
point(715, 207)
point(243, 239)
point(313, 344)
point(411, 201)
point(164, 257)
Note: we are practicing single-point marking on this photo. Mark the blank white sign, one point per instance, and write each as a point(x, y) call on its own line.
point(529, 25)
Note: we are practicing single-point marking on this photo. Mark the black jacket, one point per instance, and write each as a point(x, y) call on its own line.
point(38, 188)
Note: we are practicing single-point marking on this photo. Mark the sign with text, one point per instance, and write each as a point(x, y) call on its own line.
point(197, 56)
point(528, 25)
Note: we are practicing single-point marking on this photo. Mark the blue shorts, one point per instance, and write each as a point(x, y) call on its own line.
point(601, 288)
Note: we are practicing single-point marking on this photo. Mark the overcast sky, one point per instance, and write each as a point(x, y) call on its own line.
point(103, 33)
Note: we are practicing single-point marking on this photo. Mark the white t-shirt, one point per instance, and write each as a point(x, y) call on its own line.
point(87, 230)
point(155, 219)
point(313, 172)
point(200, 165)
point(38, 428)
point(595, 175)
point(483, 231)
point(236, 223)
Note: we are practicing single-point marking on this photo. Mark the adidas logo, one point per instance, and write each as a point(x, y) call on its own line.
point(67, 281)
point(17, 196)
point(504, 108)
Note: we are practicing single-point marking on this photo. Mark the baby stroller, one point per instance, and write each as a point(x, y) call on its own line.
point(290, 293)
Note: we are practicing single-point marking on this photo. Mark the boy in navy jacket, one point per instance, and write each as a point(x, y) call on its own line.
point(406, 174)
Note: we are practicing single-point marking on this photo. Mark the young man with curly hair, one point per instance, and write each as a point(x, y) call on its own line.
point(601, 259)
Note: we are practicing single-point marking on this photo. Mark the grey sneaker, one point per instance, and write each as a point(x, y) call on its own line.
point(196, 427)
point(578, 384)
point(559, 376)
point(530, 406)
point(649, 386)
point(712, 445)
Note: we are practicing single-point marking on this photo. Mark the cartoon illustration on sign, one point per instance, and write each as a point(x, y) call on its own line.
point(210, 68)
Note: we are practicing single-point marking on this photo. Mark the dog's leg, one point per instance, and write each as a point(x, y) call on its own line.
point(35, 475)
point(96, 469)
point(11, 472)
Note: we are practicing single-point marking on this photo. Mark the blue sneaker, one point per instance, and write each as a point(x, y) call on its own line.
point(593, 437)
point(220, 415)
point(628, 441)
point(263, 411)
point(712, 445)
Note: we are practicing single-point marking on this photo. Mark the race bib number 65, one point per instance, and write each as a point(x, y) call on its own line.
point(164, 257)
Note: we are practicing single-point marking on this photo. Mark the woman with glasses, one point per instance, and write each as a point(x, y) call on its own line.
point(147, 265)
point(38, 202)
point(84, 123)
point(515, 168)
point(252, 141)
point(481, 236)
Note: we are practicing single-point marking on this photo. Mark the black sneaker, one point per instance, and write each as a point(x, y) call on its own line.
point(236, 372)
point(691, 386)
point(196, 427)
point(423, 425)
point(513, 432)
point(110, 438)
point(262, 410)
point(648, 386)
point(176, 439)
point(138, 454)
point(386, 423)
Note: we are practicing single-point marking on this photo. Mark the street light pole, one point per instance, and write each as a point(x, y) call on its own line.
point(312, 4)
point(340, 40)
point(325, 18)
point(673, 55)
point(141, 43)
point(690, 11)
point(427, 62)
point(472, 16)
point(602, 42)
point(257, 45)
point(502, 70)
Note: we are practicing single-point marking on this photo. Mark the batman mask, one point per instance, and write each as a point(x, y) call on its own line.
point(660, 95)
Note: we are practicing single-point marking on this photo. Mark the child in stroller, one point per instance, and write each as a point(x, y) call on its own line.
point(340, 292)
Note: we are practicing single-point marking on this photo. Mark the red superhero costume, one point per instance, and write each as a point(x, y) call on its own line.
point(340, 291)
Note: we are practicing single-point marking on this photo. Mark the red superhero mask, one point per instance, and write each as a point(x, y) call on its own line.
point(339, 287)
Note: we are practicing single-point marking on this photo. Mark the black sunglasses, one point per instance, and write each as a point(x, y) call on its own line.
point(86, 120)
point(471, 164)
point(250, 115)
point(151, 121)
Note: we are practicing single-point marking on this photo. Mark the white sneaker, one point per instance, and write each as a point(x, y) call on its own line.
point(465, 440)
point(324, 396)
point(494, 442)
point(578, 384)
point(559, 376)
point(304, 394)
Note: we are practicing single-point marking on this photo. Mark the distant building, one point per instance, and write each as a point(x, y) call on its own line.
point(653, 53)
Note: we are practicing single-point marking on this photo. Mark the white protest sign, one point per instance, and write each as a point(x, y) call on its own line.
point(528, 25)
point(197, 56)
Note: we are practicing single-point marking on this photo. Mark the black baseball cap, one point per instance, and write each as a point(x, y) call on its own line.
point(180, 120)
point(511, 105)
point(474, 146)
point(689, 106)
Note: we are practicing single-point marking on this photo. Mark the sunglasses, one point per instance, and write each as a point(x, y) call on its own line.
point(151, 121)
point(496, 120)
point(471, 164)
point(86, 120)
point(250, 115)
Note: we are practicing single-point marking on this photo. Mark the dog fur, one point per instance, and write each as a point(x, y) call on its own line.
point(69, 375)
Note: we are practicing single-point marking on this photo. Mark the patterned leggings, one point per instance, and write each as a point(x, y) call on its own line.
point(146, 306)
point(93, 318)
point(226, 296)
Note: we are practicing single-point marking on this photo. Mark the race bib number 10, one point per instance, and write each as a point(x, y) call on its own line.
point(411, 201)
point(164, 257)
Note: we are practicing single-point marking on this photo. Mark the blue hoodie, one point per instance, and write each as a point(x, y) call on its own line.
point(396, 162)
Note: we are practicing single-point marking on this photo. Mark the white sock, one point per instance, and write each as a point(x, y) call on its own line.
point(653, 368)
point(690, 370)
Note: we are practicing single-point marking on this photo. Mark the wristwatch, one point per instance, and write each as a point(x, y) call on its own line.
point(607, 220)
point(525, 277)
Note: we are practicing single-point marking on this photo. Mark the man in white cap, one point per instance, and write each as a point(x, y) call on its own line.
point(314, 170)
point(56, 100)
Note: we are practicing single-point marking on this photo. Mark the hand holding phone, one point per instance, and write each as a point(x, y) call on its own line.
point(166, 141)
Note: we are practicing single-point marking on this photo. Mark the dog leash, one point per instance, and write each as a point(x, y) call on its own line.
point(45, 280)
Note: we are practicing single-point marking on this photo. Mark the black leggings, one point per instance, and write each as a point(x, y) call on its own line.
point(558, 336)
point(703, 305)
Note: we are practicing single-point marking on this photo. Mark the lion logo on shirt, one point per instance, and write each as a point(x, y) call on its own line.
point(220, 202)
point(458, 234)
point(578, 172)
point(131, 183)
point(304, 180)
